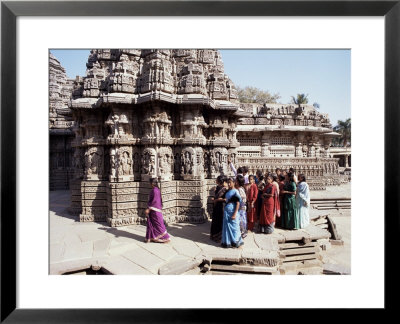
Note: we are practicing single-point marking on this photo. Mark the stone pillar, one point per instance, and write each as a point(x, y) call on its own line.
point(299, 145)
point(265, 145)
point(346, 160)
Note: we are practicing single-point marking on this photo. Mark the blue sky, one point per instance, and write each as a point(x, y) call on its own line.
point(322, 74)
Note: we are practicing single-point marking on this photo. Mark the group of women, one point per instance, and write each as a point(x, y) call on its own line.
point(263, 202)
point(267, 201)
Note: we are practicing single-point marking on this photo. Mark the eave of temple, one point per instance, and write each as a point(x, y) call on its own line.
point(134, 99)
point(271, 128)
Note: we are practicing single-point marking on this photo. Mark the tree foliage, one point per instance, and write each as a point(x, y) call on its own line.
point(300, 99)
point(255, 95)
point(344, 129)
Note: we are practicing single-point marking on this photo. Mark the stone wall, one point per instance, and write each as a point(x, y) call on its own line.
point(60, 126)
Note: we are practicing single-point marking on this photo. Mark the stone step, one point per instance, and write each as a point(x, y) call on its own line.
point(284, 246)
point(299, 251)
point(244, 268)
point(310, 256)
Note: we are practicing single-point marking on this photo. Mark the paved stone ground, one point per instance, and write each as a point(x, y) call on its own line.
point(332, 192)
point(75, 246)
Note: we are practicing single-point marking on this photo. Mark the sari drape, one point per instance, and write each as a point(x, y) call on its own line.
point(243, 212)
point(217, 215)
point(251, 211)
point(155, 228)
point(231, 235)
point(279, 220)
point(291, 219)
point(303, 204)
point(267, 216)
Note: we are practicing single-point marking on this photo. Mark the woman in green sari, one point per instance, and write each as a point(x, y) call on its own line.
point(290, 220)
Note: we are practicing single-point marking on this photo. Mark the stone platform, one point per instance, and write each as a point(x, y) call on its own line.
point(75, 246)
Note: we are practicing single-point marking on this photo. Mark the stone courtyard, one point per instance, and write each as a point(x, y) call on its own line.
point(76, 247)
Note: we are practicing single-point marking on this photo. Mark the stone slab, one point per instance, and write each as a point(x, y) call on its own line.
point(101, 247)
point(60, 268)
point(266, 242)
point(330, 268)
point(300, 257)
point(145, 259)
point(284, 246)
point(257, 257)
point(56, 252)
point(185, 247)
point(178, 266)
point(299, 251)
point(245, 268)
point(231, 255)
point(119, 265)
point(163, 251)
point(90, 235)
point(80, 250)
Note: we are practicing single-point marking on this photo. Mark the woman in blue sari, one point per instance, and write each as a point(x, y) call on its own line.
point(303, 201)
point(231, 236)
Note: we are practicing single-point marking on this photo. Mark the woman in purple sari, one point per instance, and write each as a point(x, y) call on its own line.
point(155, 228)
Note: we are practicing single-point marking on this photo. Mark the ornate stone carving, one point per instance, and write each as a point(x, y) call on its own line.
point(94, 163)
point(149, 163)
point(165, 163)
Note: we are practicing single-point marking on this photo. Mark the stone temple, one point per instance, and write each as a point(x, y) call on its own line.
point(172, 114)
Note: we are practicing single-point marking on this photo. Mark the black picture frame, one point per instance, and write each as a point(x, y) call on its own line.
point(10, 10)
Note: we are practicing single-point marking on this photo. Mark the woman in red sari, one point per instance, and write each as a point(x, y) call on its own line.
point(267, 217)
point(252, 194)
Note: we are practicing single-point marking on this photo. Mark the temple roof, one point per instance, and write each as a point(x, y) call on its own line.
point(134, 76)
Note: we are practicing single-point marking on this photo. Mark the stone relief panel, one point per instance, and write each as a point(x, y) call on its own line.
point(78, 163)
point(125, 164)
point(94, 163)
point(219, 161)
point(149, 157)
point(165, 163)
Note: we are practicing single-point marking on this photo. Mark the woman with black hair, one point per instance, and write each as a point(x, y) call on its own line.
point(251, 201)
point(218, 209)
point(303, 201)
point(259, 202)
point(239, 185)
point(281, 183)
point(291, 218)
point(267, 216)
point(155, 228)
point(231, 236)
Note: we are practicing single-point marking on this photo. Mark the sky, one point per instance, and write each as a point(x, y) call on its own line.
point(322, 74)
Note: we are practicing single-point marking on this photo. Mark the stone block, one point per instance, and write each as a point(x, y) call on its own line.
point(93, 202)
point(116, 185)
point(336, 242)
point(119, 265)
point(245, 268)
point(164, 251)
point(179, 266)
point(145, 259)
point(337, 269)
point(266, 242)
point(260, 257)
point(226, 255)
point(188, 203)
